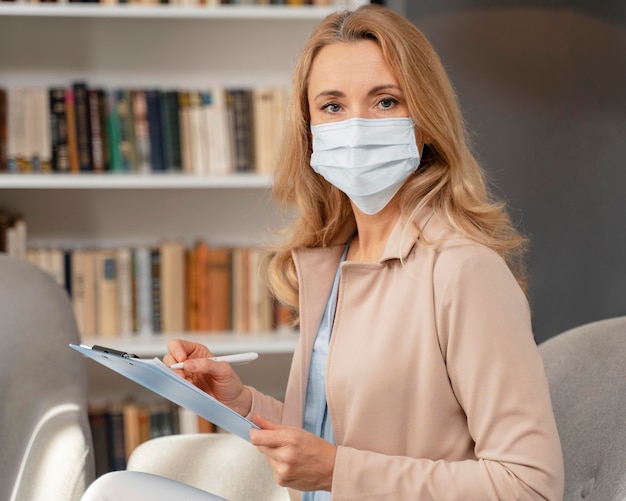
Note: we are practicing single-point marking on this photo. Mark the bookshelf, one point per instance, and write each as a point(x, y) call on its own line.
point(162, 46)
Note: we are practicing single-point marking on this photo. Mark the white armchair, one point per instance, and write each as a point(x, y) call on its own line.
point(44, 430)
point(220, 463)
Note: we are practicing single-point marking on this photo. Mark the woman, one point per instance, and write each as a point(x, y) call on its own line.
point(416, 375)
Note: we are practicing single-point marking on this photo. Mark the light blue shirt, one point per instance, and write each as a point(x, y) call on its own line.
point(316, 418)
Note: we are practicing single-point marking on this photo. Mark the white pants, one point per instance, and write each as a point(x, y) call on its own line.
point(138, 486)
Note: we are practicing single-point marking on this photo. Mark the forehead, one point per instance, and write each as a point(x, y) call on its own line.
point(350, 62)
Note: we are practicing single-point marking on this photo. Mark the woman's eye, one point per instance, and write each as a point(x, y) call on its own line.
point(332, 108)
point(387, 103)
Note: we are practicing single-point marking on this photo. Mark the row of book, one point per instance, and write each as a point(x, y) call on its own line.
point(208, 3)
point(167, 288)
point(118, 428)
point(84, 129)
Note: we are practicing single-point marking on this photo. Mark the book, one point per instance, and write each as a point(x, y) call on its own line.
point(242, 129)
point(269, 105)
point(191, 290)
point(155, 288)
point(143, 289)
point(83, 127)
point(16, 130)
point(172, 286)
point(114, 141)
point(155, 132)
point(72, 138)
point(241, 290)
point(58, 130)
point(134, 314)
point(161, 421)
point(15, 236)
point(219, 293)
point(55, 265)
point(141, 129)
point(261, 304)
point(38, 129)
point(206, 140)
point(103, 108)
point(125, 300)
point(202, 285)
point(197, 134)
point(31, 131)
point(220, 136)
point(107, 290)
point(127, 143)
point(185, 132)
point(98, 424)
point(97, 131)
point(132, 428)
point(170, 128)
point(83, 279)
point(67, 268)
point(115, 437)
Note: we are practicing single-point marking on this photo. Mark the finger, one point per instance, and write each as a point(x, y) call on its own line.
point(205, 366)
point(264, 424)
point(270, 434)
point(177, 351)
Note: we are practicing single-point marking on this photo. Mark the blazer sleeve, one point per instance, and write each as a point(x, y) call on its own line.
point(266, 406)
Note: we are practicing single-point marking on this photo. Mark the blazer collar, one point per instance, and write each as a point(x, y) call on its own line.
point(404, 237)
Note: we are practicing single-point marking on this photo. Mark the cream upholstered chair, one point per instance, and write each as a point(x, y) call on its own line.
point(586, 369)
point(221, 463)
point(45, 452)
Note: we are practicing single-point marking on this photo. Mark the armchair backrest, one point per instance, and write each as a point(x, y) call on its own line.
point(586, 369)
point(46, 449)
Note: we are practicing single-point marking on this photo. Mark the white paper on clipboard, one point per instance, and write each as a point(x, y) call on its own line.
point(159, 378)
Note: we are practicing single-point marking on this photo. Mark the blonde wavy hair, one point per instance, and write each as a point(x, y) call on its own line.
point(450, 179)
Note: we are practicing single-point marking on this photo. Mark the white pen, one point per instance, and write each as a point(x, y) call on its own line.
point(238, 358)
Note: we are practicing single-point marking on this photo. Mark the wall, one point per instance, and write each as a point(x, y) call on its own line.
point(543, 87)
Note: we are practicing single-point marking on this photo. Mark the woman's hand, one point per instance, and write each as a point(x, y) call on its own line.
point(299, 459)
point(218, 379)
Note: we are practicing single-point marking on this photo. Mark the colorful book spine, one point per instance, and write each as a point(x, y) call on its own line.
point(155, 132)
point(141, 129)
point(83, 127)
point(96, 131)
point(155, 283)
point(72, 138)
point(58, 131)
point(113, 133)
point(242, 129)
point(170, 120)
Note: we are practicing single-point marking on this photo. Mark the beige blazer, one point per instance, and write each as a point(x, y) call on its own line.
point(435, 386)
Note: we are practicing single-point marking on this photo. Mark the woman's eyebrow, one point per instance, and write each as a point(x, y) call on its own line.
point(379, 88)
point(374, 90)
point(330, 93)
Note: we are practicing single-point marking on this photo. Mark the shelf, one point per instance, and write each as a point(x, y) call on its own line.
point(219, 343)
point(132, 181)
point(235, 12)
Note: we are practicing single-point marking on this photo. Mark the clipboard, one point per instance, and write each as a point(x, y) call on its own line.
point(159, 378)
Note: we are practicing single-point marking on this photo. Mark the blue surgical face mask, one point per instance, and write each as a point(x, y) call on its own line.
point(368, 159)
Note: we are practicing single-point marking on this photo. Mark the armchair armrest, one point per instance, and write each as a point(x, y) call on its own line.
point(220, 463)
